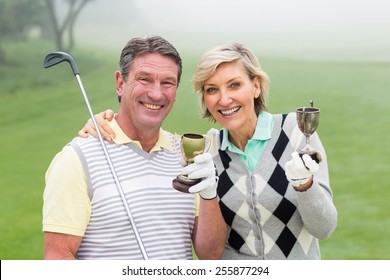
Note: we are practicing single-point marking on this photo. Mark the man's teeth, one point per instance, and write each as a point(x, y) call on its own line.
point(231, 111)
point(152, 107)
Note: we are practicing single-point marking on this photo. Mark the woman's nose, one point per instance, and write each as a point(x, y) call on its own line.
point(225, 98)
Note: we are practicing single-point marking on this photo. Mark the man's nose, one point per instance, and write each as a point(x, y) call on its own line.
point(155, 91)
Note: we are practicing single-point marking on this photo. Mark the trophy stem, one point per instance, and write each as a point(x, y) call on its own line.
point(308, 142)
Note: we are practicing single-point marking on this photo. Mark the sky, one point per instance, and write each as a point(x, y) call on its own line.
point(307, 28)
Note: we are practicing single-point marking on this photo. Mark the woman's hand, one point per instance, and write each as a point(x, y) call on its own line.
point(300, 171)
point(105, 130)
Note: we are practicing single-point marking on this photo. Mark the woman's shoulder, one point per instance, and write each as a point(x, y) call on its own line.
point(286, 120)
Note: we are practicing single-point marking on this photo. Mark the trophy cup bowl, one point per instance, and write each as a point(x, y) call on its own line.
point(308, 120)
point(191, 145)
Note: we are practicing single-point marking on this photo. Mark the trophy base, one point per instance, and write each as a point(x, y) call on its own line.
point(183, 183)
point(313, 154)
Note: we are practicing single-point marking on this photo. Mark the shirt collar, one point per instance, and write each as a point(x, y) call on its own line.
point(163, 142)
point(263, 130)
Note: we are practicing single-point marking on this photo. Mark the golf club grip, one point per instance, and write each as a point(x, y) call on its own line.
point(55, 58)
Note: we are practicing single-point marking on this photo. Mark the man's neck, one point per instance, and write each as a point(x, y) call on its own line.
point(147, 137)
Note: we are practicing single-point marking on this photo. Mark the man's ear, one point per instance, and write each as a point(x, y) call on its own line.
point(119, 83)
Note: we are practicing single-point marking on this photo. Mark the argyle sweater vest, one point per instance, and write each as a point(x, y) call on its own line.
point(260, 207)
point(163, 216)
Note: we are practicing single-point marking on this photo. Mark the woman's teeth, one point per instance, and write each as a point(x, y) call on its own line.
point(229, 112)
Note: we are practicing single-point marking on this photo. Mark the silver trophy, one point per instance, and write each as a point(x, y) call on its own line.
point(308, 119)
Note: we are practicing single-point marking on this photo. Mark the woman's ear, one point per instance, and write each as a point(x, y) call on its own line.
point(256, 87)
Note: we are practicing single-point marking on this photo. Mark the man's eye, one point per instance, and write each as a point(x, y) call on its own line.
point(144, 80)
point(169, 83)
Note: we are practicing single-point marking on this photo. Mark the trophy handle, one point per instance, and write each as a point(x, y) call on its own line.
point(209, 142)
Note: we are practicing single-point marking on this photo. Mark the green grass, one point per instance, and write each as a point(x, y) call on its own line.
point(42, 109)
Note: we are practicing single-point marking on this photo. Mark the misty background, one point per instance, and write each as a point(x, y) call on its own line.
point(335, 52)
point(319, 29)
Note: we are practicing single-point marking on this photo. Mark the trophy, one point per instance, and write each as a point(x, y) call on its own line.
point(308, 119)
point(191, 145)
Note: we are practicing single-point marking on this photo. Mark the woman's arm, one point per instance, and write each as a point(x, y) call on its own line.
point(107, 133)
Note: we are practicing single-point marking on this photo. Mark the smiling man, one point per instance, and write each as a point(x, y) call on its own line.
point(83, 215)
point(147, 95)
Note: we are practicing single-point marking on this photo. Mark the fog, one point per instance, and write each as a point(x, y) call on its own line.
point(325, 29)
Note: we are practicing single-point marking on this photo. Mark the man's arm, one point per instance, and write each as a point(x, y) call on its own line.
point(66, 208)
point(59, 246)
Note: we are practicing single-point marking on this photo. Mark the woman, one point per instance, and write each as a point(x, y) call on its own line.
point(276, 204)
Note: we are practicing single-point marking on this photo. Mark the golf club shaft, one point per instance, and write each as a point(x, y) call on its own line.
point(117, 182)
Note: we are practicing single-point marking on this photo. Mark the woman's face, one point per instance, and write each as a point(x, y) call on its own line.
point(229, 96)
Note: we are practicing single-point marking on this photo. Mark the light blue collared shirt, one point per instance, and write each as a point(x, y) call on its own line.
point(255, 146)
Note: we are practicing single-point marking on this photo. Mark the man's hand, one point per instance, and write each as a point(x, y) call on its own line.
point(203, 168)
point(300, 170)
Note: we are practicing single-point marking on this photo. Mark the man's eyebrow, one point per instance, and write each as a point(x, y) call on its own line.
point(171, 78)
point(142, 73)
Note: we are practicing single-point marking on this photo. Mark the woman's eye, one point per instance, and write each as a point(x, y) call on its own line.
point(235, 85)
point(210, 90)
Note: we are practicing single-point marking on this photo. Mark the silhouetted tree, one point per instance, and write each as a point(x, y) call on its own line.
point(66, 27)
point(17, 17)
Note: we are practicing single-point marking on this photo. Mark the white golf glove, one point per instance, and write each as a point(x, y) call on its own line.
point(203, 168)
point(299, 170)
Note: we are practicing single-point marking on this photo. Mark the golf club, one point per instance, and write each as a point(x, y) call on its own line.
point(55, 58)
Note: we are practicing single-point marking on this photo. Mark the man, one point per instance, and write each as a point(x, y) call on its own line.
point(83, 216)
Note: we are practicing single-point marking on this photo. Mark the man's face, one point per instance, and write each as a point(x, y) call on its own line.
point(149, 92)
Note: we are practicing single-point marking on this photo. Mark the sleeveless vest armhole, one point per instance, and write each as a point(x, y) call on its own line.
point(83, 161)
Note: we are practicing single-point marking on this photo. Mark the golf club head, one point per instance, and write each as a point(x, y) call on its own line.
point(55, 58)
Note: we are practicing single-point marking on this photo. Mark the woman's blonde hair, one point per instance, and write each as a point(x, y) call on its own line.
point(209, 62)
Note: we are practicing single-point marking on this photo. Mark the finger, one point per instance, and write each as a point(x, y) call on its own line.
point(106, 131)
point(201, 185)
point(295, 183)
point(310, 163)
point(206, 157)
point(182, 162)
point(104, 128)
point(109, 114)
point(201, 173)
point(297, 160)
point(103, 125)
point(191, 168)
point(82, 133)
point(92, 131)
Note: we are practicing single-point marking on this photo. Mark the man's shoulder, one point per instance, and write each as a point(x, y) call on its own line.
point(80, 141)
